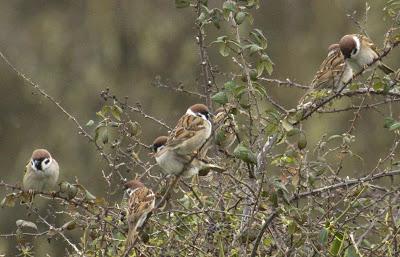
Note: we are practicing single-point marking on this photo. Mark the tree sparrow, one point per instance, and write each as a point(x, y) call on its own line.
point(225, 134)
point(359, 51)
point(141, 201)
point(41, 173)
point(192, 131)
point(333, 72)
point(173, 163)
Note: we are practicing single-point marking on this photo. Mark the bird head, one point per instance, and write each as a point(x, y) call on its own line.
point(131, 186)
point(159, 143)
point(41, 160)
point(199, 110)
point(349, 46)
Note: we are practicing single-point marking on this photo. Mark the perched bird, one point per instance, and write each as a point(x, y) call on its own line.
point(141, 201)
point(175, 164)
point(192, 131)
point(225, 125)
point(41, 173)
point(333, 71)
point(359, 51)
point(332, 74)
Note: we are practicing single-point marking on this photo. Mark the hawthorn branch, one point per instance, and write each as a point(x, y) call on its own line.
point(345, 184)
point(207, 83)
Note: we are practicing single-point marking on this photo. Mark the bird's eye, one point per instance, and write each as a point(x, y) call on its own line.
point(129, 191)
point(205, 114)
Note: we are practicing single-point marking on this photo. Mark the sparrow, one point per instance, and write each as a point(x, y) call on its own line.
point(225, 124)
point(333, 73)
point(41, 173)
point(359, 51)
point(173, 163)
point(192, 131)
point(141, 201)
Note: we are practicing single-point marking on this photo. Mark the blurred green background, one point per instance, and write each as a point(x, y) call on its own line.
point(75, 49)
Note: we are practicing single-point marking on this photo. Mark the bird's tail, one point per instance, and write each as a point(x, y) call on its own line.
point(131, 238)
point(386, 69)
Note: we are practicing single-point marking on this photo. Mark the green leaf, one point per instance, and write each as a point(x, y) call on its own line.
point(229, 6)
point(253, 3)
point(239, 91)
point(70, 225)
point(394, 126)
point(26, 224)
point(260, 89)
point(89, 123)
point(252, 48)
point(350, 252)
point(388, 122)
point(89, 196)
point(292, 227)
point(221, 39)
point(302, 142)
point(224, 50)
point(258, 36)
point(69, 190)
point(286, 125)
point(260, 68)
point(378, 86)
point(323, 236)
point(116, 111)
point(101, 133)
point(267, 63)
point(240, 17)
point(243, 153)
point(182, 3)
point(220, 98)
point(230, 86)
point(337, 244)
point(292, 132)
point(216, 18)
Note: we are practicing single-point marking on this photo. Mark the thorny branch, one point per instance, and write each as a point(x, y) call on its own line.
point(345, 184)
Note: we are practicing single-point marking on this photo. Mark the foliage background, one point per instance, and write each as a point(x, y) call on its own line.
point(75, 49)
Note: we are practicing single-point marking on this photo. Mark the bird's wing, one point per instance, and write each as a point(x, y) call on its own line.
point(140, 203)
point(329, 70)
point(386, 69)
point(369, 42)
point(186, 128)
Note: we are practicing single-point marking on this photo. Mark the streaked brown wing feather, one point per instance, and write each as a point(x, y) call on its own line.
point(185, 129)
point(369, 42)
point(140, 201)
point(329, 70)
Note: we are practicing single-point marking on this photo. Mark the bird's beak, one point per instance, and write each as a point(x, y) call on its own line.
point(37, 164)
